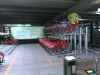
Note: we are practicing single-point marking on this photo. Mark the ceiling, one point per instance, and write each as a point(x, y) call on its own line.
point(45, 11)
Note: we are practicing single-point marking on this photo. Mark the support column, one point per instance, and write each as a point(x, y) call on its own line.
point(75, 43)
point(71, 41)
point(91, 34)
point(86, 41)
point(80, 40)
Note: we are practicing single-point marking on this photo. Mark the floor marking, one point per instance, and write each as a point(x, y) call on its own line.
point(48, 59)
point(12, 61)
point(59, 63)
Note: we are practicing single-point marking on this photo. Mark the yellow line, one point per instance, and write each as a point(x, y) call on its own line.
point(59, 63)
point(12, 61)
point(48, 59)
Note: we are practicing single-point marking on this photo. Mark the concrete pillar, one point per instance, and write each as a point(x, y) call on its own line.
point(91, 34)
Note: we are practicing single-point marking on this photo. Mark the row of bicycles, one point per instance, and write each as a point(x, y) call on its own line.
point(54, 46)
point(6, 41)
point(13, 41)
point(61, 27)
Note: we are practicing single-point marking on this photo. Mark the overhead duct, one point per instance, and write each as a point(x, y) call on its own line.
point(94, 1)
point(79, 7)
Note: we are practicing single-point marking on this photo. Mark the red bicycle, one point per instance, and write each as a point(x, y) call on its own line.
point(1, 57)
point(13, 41)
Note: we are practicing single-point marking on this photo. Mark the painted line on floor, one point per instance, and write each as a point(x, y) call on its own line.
point(48, 59)
point(58, 63)
point(12, 61)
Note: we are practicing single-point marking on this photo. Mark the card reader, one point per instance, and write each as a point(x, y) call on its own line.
point(90, 72)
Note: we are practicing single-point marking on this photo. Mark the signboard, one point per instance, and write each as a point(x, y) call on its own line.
point(26, 32)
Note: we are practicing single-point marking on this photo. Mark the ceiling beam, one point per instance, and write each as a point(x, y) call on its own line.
point(90, 16)
point(25, 7)
point(81, 6)
point(21, 21)
point(92, 12)
point(93, 18)
point(28, 17)
point(28, 20)
point(94, 2)
point(20, 8)
point(24, 14)
point(75, 1)
point(29, 10)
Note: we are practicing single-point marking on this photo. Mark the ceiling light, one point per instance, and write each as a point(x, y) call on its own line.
point(81, 19)
point(98, 10)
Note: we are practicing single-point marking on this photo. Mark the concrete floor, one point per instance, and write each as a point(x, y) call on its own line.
point(31, 59)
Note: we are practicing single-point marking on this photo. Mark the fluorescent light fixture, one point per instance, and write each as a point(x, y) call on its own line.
point(27, 24)
point(81, 19)
point(98, 10)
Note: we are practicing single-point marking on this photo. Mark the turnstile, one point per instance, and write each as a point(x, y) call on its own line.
point(69, 61)
point(87, 67)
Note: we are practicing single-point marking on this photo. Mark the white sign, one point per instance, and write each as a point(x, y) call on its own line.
point(27, 32)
